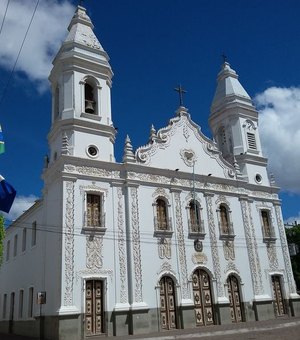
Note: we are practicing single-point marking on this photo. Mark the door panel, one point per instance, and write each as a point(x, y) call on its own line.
point(279, 307)
point(167, 303)
point(94, 314)
point(202, 298)
point(234, 299)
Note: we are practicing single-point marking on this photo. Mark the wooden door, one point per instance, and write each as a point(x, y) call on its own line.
point(234, 299)
point(278, 297)
point(167, 303)
point(94, 313)
point(202, 298)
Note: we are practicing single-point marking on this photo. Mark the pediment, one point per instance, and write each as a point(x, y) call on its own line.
point(181, 145)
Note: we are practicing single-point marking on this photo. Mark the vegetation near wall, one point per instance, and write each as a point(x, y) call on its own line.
point(293, 237)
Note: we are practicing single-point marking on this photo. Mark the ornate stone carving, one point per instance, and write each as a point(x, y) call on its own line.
point(164, 248)
point(92, 187)
point(214, 245)
point(231, 267)
point(199, 258)
point(186, 133)
point(94, 253)
point(181, 247)
point(94, 273)
point(228, 248)
point(161, 192)
point(251, 247)
point(188, 156)
point(136, 243)
point(166, 268)
point(69, 244)
point(122, 249)
point(272, 256)
point(92, 171)
point(285, 250)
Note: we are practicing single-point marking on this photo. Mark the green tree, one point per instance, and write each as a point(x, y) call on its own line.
point(2, 236)
point(293, 237)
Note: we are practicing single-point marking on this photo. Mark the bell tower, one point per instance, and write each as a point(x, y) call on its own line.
point(81, 80)
point(234, 124)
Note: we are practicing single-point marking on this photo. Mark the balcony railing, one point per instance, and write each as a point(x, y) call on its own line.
point(94, 224)
point(163, 227)
point(268, 234)
point(196, 229)
point(226, 231)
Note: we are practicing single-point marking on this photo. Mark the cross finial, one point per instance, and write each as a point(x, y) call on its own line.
point(224, 57)
point(80, 2)
point(181, 91)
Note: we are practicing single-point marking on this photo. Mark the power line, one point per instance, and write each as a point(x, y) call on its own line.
point(4, 16)
point(15, 64)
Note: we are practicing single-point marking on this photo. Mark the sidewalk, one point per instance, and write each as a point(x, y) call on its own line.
point(239, 331)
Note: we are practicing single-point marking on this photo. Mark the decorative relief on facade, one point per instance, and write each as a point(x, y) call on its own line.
point(228, 248)
point(214, 245)
point(199, 258)
point(94, 273)
point(222, 199)
point(231, 267)
point(181, 247)
point(122, 249)
point(94, 253)
point(272, 256)
point(92, 171)
point(285, 250)
point(92, 187)
point(251, 245)
point(164, 248)
point(188, 156)
point(186, 133)
point(69, 244)
point(136, 244)
point(161, 192)
point(166, 268)
point(255, 247)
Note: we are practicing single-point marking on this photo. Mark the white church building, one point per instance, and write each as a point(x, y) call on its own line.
point(184, 232)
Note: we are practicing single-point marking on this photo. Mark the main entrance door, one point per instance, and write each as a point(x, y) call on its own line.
point(202, 298)
point(167, 303)
point(278, 298)
point(234, 299)
point(94, 314)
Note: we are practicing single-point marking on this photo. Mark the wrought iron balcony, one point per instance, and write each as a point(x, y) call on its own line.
point(226, 231)
point(269, 235)
point(163, 227)
point(94, 224)
point(196, 229)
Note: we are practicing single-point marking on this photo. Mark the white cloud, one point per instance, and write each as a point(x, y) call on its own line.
point(280, 134)
point(47, 31)
point(21, 204)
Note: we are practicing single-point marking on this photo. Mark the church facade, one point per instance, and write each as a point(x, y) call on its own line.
point(184, 232)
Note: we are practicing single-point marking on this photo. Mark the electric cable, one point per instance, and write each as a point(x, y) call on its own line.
point(4, 16)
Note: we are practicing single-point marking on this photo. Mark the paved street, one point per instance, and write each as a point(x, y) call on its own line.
point(279, 329)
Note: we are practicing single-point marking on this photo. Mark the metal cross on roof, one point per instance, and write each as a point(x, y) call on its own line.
point(181, 91)
point(224, 57)
point(81, 2)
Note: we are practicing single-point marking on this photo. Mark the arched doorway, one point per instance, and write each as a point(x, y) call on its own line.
point(202, 298)
point(167, 303)
point(234, 299)
point(279, 306)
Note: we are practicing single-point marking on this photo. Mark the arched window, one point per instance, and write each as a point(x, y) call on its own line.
point(196, 224)
point(225, 224)
point(161, 214)
point(224, 219)
point(89, 99)
point(267, 227)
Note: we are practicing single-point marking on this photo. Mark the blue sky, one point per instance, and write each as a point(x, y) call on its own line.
point(153, 46)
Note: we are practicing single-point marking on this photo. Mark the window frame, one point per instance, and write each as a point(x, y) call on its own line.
point(270, 236)
point(230, 235)
point(159, 230)
point(101, 228)
point(200, 233)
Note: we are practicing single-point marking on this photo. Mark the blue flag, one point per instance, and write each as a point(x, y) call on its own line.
point(7, 195)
